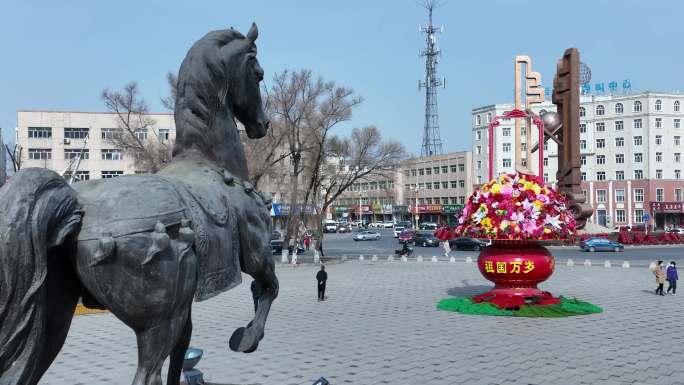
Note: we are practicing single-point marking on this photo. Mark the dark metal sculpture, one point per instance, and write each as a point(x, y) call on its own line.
point(143, 246)
point(563, 128)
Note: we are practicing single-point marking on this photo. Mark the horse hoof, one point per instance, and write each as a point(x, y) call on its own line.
point(243, 340)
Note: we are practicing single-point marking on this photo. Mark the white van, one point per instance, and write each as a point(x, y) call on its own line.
point(329, 226)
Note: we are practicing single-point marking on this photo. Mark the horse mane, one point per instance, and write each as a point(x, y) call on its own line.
point(201, 114)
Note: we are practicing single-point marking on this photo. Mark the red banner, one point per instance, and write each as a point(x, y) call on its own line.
point(667, 207)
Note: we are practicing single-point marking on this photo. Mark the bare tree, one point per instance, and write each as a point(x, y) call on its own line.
point(169, 102)
point(137, 134)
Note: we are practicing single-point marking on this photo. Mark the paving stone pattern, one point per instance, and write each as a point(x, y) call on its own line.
point(380, 326)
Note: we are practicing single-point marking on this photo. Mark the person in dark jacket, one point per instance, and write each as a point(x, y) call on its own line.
point(672, 277)
point(256, 293)
point(321, 277)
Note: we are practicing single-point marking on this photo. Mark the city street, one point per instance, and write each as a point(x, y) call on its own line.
point(336, 245)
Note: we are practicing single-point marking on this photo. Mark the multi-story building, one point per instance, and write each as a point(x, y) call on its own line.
point(433, 188)
point(3, 159)
point(53, 139)
point(631, 154)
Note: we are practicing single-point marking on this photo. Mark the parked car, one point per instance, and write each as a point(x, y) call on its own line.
point(367, 236)
point(344, 228)
point(406, 236)
point(598, 244)
point(330, 226)
point(465, 243)
point(428, 226)
point(388, 224)
point(425, 239)
point(398, 230)
point(678, 230)
point(276, 246)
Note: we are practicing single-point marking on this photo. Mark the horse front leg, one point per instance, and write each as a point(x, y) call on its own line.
point(262, 268)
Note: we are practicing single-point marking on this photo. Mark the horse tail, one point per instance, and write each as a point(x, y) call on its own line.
point(38, 211)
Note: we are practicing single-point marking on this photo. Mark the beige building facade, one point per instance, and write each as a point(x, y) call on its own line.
point(55, 140)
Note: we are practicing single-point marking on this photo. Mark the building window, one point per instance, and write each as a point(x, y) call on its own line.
point(111, 154)
point(75, 133)
point(619, 125)
point(461, 183)
point(71, 153)
point(111, 133)
point(676, 106)
point(658, 122)
point(582, 111)
point(489, 117)
point(659, 140)
point(452, 168)
point(600, 159)
point(637, 123)
point(600, 110)
point(618, 108)
point(619, 142)
point(39, 153)
point(600, 126)
point(639, 216)
point(479, 179)
point(506, 147)
point(413, 172)
point(638, 195)
point(637, 106)
point(600, 196)
point(660, 195)
point(677, 157)
point(546, 177)
point(659, 157)
point(82, 176)
point(600, 143)
point(111, 174)
point(678, 195)
point(164, 134)
point(428, 171)
point(659, 174)
point(421, 186)
point(619, 175)
point(619, 196)
point(506, 131)
point(638, 141)
point(523, 162)
point(638, 157)
point(39, 132)
point(461, 199)
point(140, 134)
point(445, 169)
point(583, 175)
point(546, 161)
point(583, 144)
point(478, 120)
point(638, 174)
point(583, 128)
point(619, 158)
point(678, 174)
point(436, 185)
point(445, 184)
point(546, 146)
point(454, 184)
point(428, 186)
point(658, 105)
point(421, 171)
point(601, 175)
point(479, 165)
point(583, 160)
point(620, 215)
point(435, 170)
point(507, 162)
point(677, 123)
point(677, 140)
point(461, 167)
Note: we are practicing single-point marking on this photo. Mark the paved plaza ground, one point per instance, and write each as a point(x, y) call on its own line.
point(380, 326)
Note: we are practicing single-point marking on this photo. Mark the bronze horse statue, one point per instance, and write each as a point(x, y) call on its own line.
point(143, 246)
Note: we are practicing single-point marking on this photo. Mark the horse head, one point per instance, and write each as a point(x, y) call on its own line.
point(217, 82)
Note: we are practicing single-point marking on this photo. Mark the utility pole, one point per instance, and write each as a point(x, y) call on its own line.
point(432, 143)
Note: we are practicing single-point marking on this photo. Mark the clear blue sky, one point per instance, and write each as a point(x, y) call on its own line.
point(61, 54)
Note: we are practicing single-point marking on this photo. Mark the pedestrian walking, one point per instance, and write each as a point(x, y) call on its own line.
point(307, 241)
point(660, 277)
point(447, 248)
point(672, 277)
point(322, 278)
point(256, 293)
point(319, 246)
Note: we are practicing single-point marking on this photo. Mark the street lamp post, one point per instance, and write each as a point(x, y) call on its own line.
point(416, 189)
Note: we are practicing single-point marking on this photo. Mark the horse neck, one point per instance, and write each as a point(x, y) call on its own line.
point(222, 145)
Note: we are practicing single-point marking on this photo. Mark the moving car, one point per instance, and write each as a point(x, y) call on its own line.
point(344, 228)
point(425, 239)
point(388, 225)
point(329, 226)
point(276, 246)
point(398, 230)
point(598, 244)
point(465, 243)
point(406, 236)
point(428, 226)
point(366, 236)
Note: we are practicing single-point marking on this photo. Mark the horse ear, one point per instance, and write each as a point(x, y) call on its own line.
point(253, 33)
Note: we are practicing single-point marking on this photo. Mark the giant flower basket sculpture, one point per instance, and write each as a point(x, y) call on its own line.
point(518, 213)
